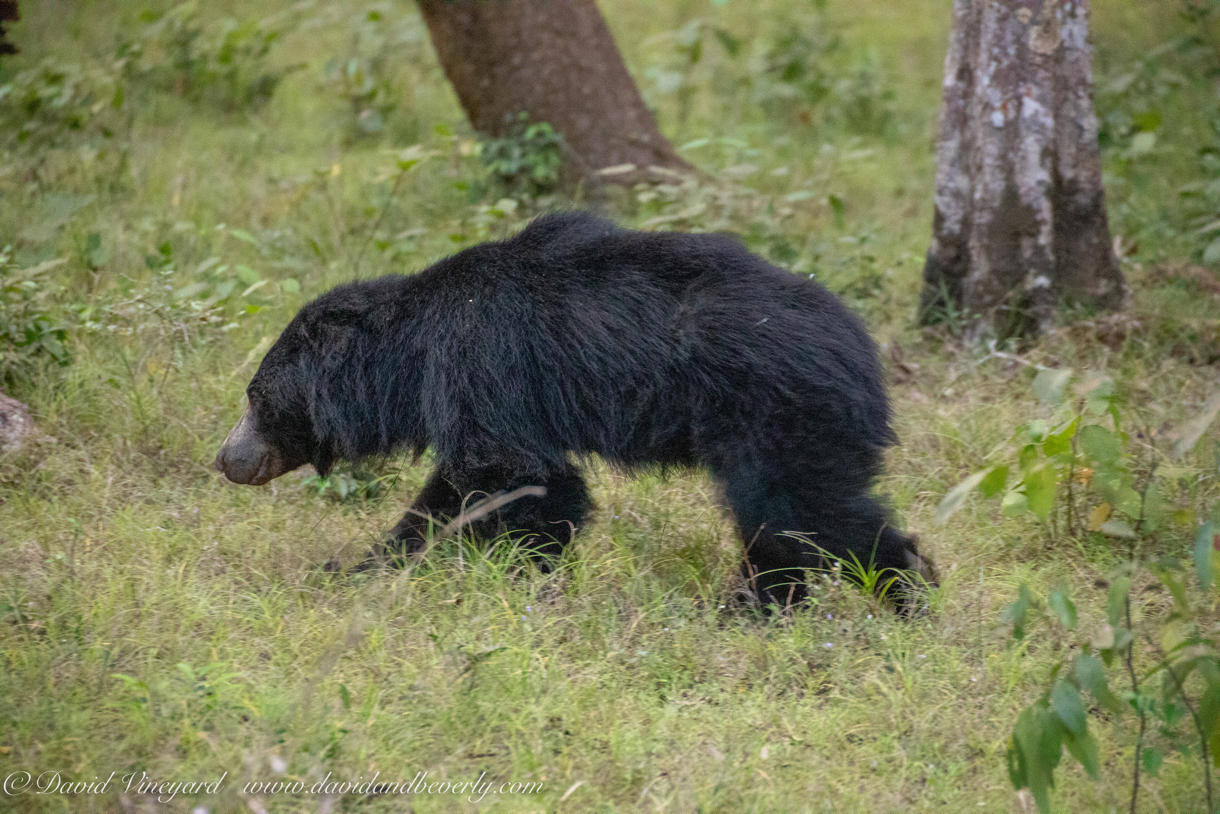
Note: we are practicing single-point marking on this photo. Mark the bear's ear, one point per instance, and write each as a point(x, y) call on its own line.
point(327, 336)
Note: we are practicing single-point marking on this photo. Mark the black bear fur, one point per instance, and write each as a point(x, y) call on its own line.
point(512, 359)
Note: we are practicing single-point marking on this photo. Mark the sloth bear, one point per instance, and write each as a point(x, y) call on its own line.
point(513, 359)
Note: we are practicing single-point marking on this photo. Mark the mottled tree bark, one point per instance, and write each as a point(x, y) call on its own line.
point(1020, 225)
point(16, 426)
point(556, 61)
point(8, 13)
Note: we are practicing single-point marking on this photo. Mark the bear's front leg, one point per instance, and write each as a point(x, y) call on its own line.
point(439, 501)
point(544, 522)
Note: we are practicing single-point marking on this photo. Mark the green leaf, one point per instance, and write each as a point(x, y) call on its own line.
point(1152, 760)
point(1084, 749)
point(1153, 508)
point(345, 696)
point(186, 292)
point(207, 265)
point(1038, 428)
point(1063, 609)
point(839, 209)
point(994, 482)
point(1177, 589)
point(1101, 445)
point(1091, 676)
point(290, 286)
point(1211, 254)
point(1116, 600)
point(956, 496)
point(242, 234)
point(247, 275)
point(1128, 500)
point(1208, 711)
point(53, 346)
point(1096, 389)
point(1204, 563)
point(1189, 433)
point(1065, 701)
point(1049, 385)
point(1060, 442)
point(1015, 613)
point(1031, 739)
point(1147, 121)
point(1029, 454)
point(1040, 487)
point(731, 44)
point(1143, 143)
point(1014, 503)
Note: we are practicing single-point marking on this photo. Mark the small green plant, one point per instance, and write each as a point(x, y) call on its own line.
point(350, 485)
point(804, 72)
point(1175, 701)
point(679, 73)
point(226, 65)
point(1072, 472)
point(43, 104)
point(29, 331)
point(526, 162)
point(1075, 474)
point(364, 75)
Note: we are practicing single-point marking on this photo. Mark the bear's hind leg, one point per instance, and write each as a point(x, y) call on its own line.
point(791, 517)
point(775, 563)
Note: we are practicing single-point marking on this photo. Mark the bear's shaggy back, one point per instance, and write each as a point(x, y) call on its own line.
point(576, 336)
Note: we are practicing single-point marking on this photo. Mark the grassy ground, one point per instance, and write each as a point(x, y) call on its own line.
point(155, 619)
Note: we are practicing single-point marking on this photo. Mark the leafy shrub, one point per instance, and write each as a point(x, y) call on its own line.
point(42, 104)
point(1073, 472)
point(29, 332)
point(799, 68)
point(188, 304)
point(1179, 693)
point(365, 76)
point(367, 89)
point(226, 66)
point(527, 161)
point(1081, 457)
point(682, 57)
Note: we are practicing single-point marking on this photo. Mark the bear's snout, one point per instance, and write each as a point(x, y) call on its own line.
point(245, 458)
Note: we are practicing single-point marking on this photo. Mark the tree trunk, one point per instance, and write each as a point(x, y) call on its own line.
point(8, 13)
point(555, 61)
point(1020, 225)
point(16, 426)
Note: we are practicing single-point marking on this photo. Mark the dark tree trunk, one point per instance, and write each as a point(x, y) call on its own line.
point(1020, 225)
point(555, 61)
point(8, 13)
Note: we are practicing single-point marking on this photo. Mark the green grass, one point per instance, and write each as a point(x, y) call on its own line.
point(155, 618)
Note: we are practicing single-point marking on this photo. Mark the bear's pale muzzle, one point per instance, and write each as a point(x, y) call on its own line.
point(245, 458)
